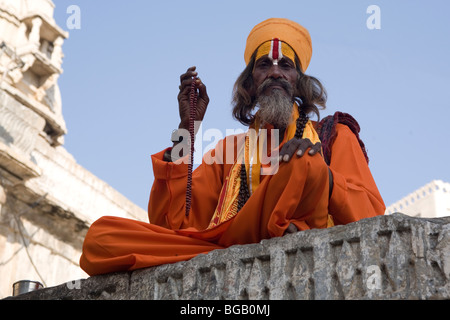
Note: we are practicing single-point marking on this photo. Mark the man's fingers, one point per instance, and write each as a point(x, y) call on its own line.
point(186, 78)
point(186, 83)
point(202, 93)
point(306, 144)
point(189, 74)
point(315, 148)
point(288, 150)
point(185, 87)
point(303, 145)
point(298, 146)
point(184, 91)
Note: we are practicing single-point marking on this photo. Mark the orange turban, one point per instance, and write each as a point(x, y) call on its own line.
point(287, 31)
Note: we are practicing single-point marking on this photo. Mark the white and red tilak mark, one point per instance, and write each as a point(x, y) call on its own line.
point(275, 51)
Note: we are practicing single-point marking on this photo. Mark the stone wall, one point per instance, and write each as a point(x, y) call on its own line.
point(387, 257)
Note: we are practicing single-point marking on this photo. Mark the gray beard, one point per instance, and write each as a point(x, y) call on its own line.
point(275, 109)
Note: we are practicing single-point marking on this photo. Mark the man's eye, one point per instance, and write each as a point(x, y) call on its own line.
point(286, 65)
point(263, 64)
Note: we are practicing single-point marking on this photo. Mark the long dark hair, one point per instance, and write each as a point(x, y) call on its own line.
point(309, 89)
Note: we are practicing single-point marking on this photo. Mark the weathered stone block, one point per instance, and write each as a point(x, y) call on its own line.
point(386, 257)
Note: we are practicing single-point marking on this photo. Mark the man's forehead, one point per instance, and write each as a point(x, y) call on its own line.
point(267, 58)
point(275, 50)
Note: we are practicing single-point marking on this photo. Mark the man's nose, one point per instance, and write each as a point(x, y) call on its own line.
point(275, 72)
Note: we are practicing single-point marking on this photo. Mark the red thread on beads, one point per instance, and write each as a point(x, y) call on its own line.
point(192, 112)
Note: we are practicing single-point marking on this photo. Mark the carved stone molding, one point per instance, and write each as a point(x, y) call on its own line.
point(386, 257)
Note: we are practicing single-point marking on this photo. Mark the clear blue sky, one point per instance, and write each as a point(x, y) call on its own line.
point(122, 67)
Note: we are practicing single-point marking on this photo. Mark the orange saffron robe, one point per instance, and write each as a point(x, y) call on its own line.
point(298, 193)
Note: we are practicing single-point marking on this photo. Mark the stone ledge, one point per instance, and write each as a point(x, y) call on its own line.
point(386, 257)
point(17, 164)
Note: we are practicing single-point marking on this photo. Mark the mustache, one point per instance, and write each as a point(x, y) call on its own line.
point(275, 82)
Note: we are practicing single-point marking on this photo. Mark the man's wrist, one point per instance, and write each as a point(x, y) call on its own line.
point(179, 136)
point(168, 155)
point(181, 147)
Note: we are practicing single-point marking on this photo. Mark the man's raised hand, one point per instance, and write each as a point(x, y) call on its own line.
point(184, 97)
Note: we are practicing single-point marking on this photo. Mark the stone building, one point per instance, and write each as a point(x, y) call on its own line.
point(47, 200)
point(429, 201)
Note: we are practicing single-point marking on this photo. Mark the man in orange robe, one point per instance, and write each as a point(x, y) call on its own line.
point(320, 177)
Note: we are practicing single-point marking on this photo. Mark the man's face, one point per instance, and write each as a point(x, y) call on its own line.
point(275, 83)
point(284, 69)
